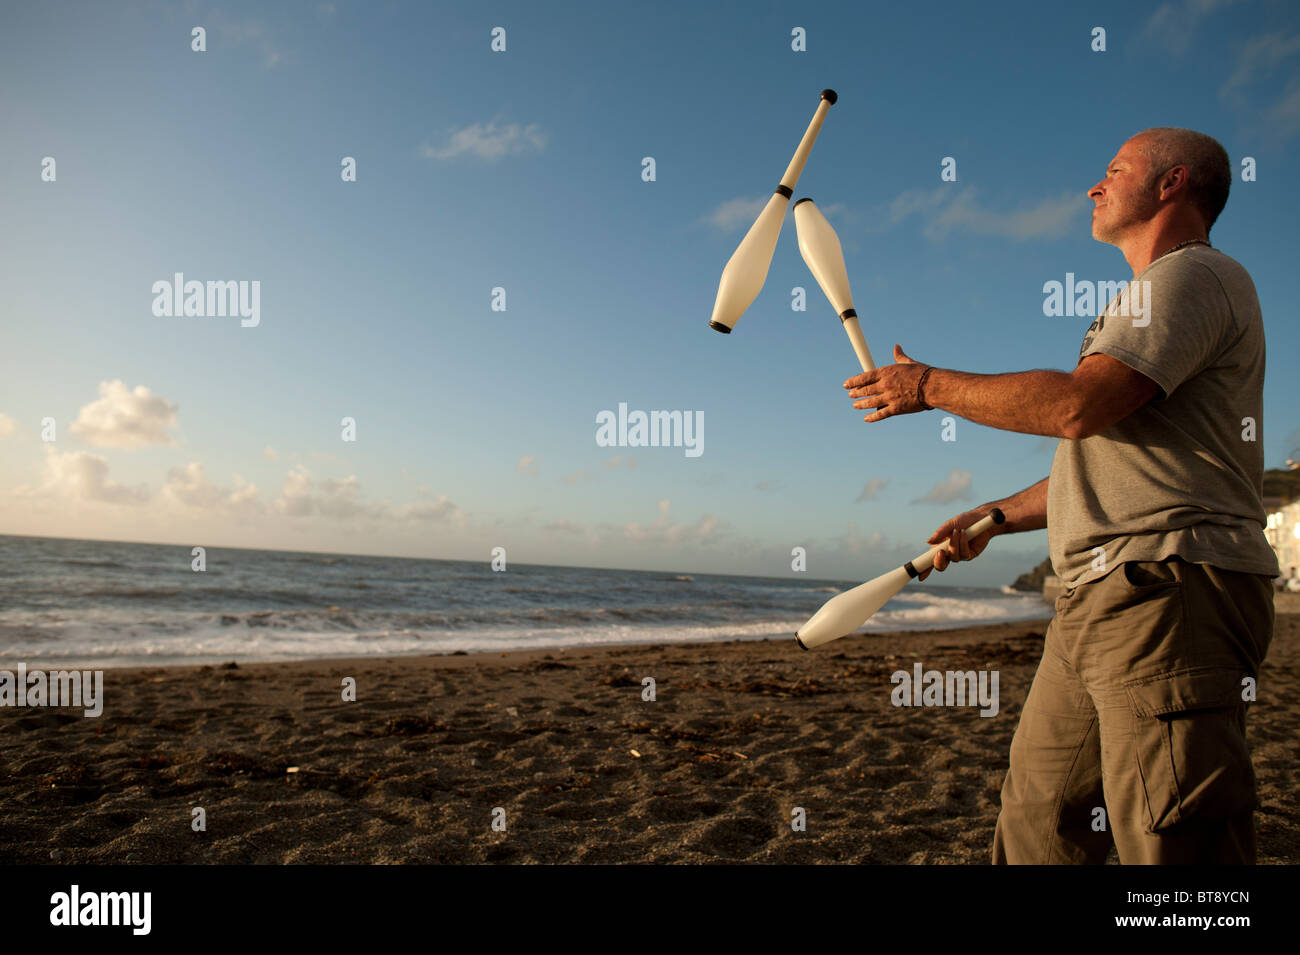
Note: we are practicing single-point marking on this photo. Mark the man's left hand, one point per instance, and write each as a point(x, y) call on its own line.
point(890, 390)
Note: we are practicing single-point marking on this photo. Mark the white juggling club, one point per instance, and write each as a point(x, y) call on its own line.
point(845, 612)
point(820, 247)
point(746, 270)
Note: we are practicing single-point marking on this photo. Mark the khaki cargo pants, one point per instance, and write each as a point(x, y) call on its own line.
point(1137, 707)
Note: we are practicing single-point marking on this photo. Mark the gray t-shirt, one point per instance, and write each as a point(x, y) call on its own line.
point(1184, 474)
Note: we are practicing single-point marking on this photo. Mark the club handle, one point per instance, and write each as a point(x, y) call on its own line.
point(859, 343)
point(923, 563)
point(792, 171)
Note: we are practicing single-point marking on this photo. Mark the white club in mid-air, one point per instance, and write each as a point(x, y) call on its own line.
point(845, 612)
point(820, 247)
point(746, 270)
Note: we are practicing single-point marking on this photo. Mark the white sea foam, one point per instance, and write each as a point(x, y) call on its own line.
point(113, 640)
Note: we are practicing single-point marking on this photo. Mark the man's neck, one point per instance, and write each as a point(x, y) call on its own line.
point(1140, 251)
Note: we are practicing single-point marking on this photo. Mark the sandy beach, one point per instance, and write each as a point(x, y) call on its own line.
point(740, 734)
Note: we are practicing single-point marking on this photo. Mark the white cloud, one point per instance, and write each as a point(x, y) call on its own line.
point(1049, 219)
point(735, 213)
point(7, 425)
point(956, 486)
point(342, 499)
point(190, 487)
point(871, 490)
point(300, 496)
point(253, 33)
point(618, 461)
point(489, 141)
point(1257, 60)
point(126, 418)
point(1174, 22)
point(577, 477)
point(918, 202)
point(741, 212)
point(852, 541)
point(662, 530)
point(1259, 55)
point(270, 453)
point(943, 211)
point(527, 464)
point(438, 508)
point(81, 476)
point(1284, 115)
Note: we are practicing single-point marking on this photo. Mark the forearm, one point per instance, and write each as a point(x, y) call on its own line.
point(1031, 402)
point(1025, 511)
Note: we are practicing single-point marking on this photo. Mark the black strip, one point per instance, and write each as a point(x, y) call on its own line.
point(719, 327)
point(783, 190)
point(848, 313)
point(804, 199)
point(997, 515)
point(911, 571)
point(800, 642)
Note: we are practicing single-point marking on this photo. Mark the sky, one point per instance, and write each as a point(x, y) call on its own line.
point(517, 177)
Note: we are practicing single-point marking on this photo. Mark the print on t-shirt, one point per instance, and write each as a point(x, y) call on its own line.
point(1093, 329)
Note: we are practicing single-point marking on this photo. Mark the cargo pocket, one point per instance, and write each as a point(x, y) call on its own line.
point(1137, 612)
point(1148, 575)
point(1190, 738)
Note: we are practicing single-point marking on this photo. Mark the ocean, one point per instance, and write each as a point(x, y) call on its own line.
point(74, 603)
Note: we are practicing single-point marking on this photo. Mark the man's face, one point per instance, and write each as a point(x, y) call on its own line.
point(1123, 199)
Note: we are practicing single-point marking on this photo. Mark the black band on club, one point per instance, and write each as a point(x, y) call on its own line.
point(783, 190)
point(911, 571)
point(848, 313)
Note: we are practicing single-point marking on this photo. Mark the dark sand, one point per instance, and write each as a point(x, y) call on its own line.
point(741, 734)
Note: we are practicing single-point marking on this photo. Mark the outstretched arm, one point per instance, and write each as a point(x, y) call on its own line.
point(1099, 392)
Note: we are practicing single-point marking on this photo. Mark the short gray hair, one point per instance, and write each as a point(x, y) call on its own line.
point(1209, 171)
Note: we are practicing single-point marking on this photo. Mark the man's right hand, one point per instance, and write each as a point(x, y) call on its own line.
point(960, 546)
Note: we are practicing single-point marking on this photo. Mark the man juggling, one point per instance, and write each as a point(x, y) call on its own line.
point(1155, 525)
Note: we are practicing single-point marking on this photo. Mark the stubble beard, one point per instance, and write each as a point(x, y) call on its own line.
point(1134, 211)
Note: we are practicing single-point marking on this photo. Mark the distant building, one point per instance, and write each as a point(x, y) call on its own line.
point(1283, 533)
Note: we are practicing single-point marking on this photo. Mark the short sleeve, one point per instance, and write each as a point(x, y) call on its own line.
point(1169, 324)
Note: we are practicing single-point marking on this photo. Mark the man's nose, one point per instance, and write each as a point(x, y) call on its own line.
point(1095, 192)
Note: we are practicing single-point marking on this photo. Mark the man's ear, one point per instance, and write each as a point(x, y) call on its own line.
point(1173, 182)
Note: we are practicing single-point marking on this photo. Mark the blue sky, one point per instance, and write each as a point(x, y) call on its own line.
point(522, 170)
